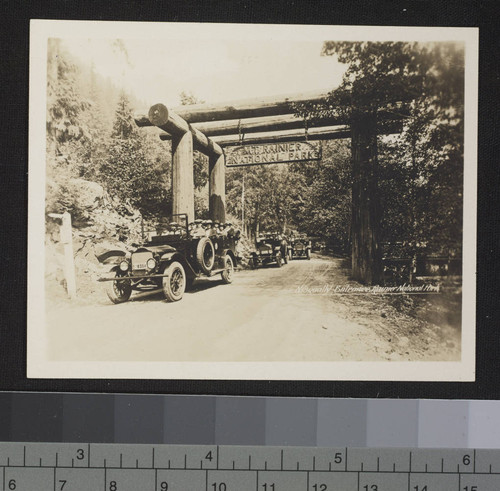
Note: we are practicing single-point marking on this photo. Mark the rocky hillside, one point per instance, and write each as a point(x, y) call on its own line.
point(99, 224)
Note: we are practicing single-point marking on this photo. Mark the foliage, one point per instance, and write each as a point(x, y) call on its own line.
point(327, 199)
point(420, 171)
point(128, 171)
point(188, 99)
point(273, 196)
point(91, 135)
point(84, 141)
point(67, 130)
point(64, 102)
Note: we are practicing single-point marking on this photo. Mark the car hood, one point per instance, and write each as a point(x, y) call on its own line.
point(156, 249)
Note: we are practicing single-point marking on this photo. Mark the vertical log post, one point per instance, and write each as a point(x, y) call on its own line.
point(217, 187)
point(182, 175)
point(366, 253)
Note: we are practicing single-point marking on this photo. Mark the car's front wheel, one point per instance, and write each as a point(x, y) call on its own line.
point(227, 274)
point(118, 291)
point(174, 283)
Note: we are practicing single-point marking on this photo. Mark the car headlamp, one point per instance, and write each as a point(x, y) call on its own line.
point(151, 263)
point(123, 266)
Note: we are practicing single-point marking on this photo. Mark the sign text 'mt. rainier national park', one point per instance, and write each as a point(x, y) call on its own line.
point(275, 153)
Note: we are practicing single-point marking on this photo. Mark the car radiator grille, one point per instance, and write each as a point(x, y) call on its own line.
point(139, 260)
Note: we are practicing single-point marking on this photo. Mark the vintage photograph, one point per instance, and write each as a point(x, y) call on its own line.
point(252, 201)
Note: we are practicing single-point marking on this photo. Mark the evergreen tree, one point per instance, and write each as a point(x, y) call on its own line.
point(124, 126)
point(132, 172)
point(424, 81)
point(66, 128)
point(65, 104)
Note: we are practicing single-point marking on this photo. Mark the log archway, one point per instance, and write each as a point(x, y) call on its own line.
point(210, 128)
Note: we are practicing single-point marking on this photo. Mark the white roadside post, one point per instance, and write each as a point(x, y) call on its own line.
point(69, 260)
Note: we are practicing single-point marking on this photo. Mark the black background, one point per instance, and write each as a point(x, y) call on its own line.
point(14, 63)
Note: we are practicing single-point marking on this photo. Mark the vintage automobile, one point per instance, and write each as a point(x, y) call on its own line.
point(270, 247)
point(171, 258)
point(300, 246)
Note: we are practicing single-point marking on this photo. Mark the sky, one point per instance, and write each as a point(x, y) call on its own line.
point(214, 70)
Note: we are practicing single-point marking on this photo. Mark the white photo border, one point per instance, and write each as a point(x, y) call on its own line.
point(38, 364)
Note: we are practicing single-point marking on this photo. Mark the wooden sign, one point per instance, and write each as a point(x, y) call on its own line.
point(275, 153)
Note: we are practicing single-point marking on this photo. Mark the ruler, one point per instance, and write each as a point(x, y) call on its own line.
point(136, 467)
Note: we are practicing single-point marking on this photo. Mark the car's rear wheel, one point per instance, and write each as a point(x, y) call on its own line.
point(205, 254)
point(118, 291)
point(227, 274)
point(174, 284)
point(279, 259)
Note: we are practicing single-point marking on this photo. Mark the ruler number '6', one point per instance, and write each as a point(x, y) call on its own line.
point(12, 484)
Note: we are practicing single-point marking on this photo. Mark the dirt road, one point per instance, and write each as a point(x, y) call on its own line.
point(270, 314)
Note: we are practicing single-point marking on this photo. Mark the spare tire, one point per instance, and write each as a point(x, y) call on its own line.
point(205, 254)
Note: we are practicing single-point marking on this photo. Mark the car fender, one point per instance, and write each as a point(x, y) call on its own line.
point(169, 257)
point(172, 256)
point(230, 253)
point(111, 257)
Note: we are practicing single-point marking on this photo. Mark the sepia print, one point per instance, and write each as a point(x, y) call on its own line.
point(251, 202)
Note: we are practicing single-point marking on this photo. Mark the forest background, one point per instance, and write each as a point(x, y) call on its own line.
point(114, 177)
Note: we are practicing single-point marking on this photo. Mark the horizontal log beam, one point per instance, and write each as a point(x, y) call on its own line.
point(262, 124)
point(246, 108)
point(331, 132)
point(267, 123)
point(328, 133)
point(167, 120)
point(251, 125)
point(325, 133)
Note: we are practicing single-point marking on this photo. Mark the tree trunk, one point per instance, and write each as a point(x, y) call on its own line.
point(366, 253)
